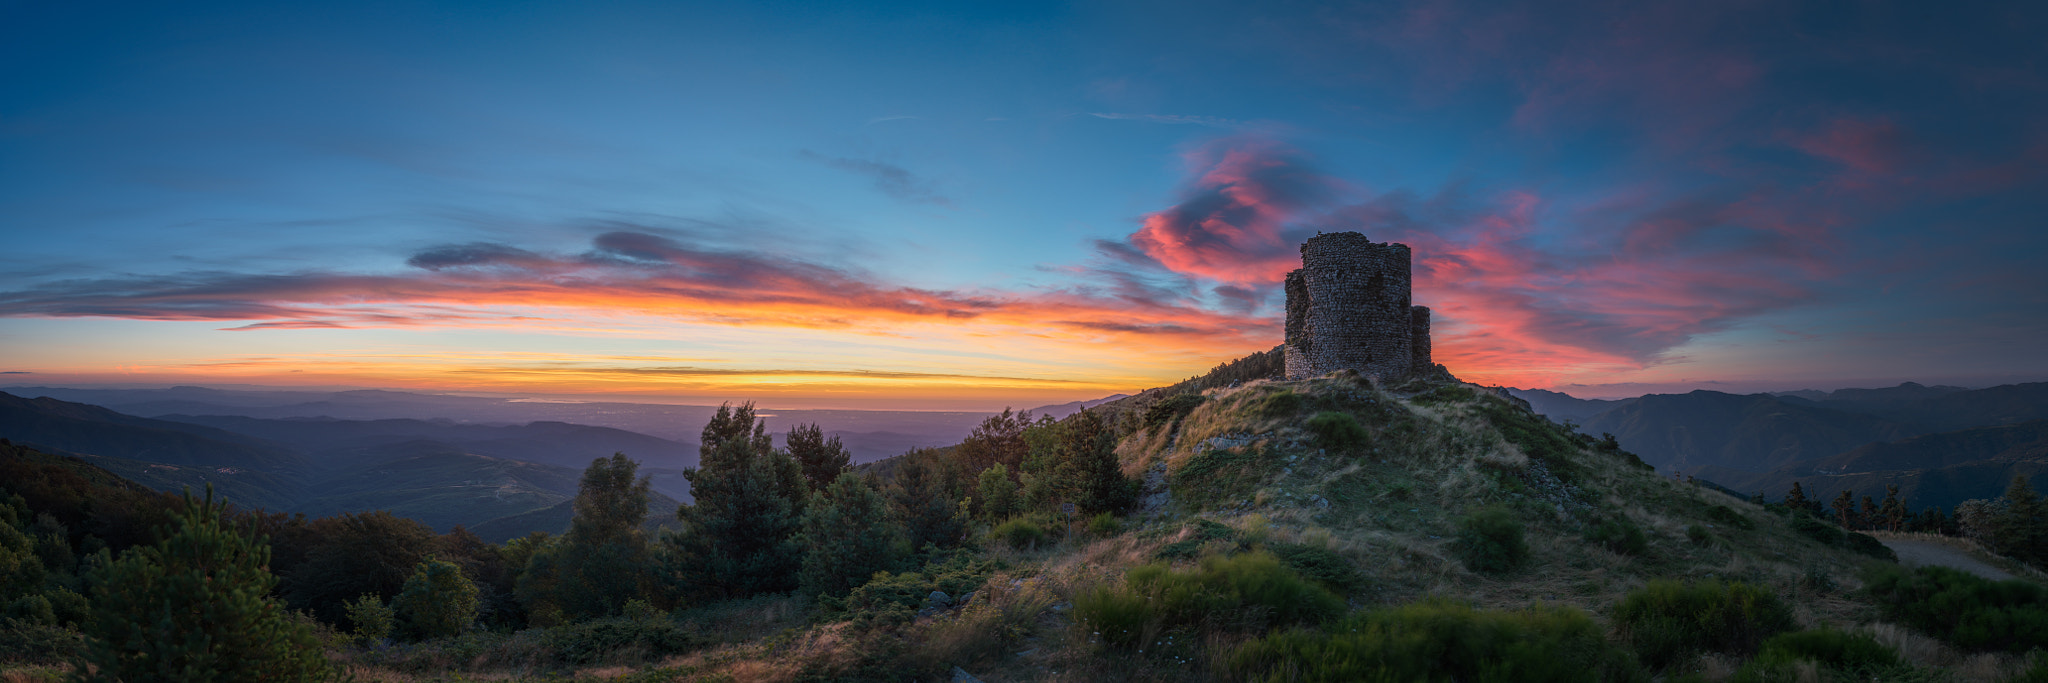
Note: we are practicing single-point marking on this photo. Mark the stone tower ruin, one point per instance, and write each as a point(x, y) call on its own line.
point(1348, 308)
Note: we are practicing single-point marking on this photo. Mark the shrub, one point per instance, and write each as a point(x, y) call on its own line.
point(1620, 535)
point(1337, 431)
point(890, 599)
point(1245, 593)
point(1858, 655)
point(1699, 535)
point(1666, 622)
point(372, 620)
point(1104, 525)
point(1722, 514)
point(1490, 540)
point(1440, 640)
point(1018, 532)
point(196, 603)
point(1817, 530)
point(437, 602)
point(1868, 545)
point(1199, 533)
point(1967, 611)
point(1321, 565)
point(1282, 403)
point(617, 639)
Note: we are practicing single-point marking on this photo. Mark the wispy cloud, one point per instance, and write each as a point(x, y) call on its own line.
point(1175, 119)
point(889, 179)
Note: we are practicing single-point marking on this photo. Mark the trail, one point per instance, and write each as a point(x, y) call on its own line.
point(1923, 553)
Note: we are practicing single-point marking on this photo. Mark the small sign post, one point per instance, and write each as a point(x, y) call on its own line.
point(1068, 510)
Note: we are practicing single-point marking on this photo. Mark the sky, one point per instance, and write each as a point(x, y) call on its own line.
point(973, 205)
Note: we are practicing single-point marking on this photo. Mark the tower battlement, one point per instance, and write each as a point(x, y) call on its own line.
point(1348, 307)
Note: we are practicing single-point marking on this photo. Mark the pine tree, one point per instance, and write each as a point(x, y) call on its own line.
point(603, 561)
point(1089, 451)
point(195, 607)
point(930, 512)
point(822, 459)
point(437, 602)
point(2022, 531)
point(1844, 505)
point(1796, 498)
point(849, 533)
point(1892, 509)
point(738, 537)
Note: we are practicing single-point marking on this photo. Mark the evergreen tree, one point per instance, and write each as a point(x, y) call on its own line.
point(1796, 498)
point(1844, 505)
point(849, 534)
point(1869, 516)
point(603, 561)
point(195, 607)
point(822, 459)
point(437, 602)
point(930, 511)
point(2022, 529)
point(738, 537)
point(995, 493)
point(353, 554)
point(1892, 509)
point(1089, 450)
point(998, 439)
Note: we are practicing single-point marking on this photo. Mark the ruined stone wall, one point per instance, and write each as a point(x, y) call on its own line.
point(1418, 339)
point(1348, 307)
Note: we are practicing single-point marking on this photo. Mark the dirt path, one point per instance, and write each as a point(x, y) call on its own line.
point(1921, 553)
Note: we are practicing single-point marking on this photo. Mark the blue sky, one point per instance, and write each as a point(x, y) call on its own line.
point(976, 203)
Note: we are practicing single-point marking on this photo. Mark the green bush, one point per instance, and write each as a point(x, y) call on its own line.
point(1620, 535)
point(1104, 525)
point(1321, 565)
point(1666, 622)
point(372, 620)
point(198, 604)
point(1018, 532)
point(1245, 593)
point(1699, 535)
point(1817, 530)
point(617, 639)
point(1722, 514)
point(1490, 540)
point(1440, 640)
point(889, 599)
point(1967, 611)
point(1337, 431)
point(437, 602)
point(1855, 656)
point(1868, 545)
point(1280, 403)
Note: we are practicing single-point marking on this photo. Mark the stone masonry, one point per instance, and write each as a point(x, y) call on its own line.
point(1348, 308)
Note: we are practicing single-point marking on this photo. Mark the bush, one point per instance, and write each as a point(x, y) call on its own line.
point(1722, 514)
point(1817, 530)
point(1490, 540)
point(1699, 535)
point(1439, 640)
point(437, 602)
point(371, 618)
point(1018, 532)
point(890, 599)
point(1866, 544)
point(1282, 403)
point(1666, 622)
point(1337, 431)
point(1967, 611)
point(1104, 525)
point(1246, 593)
point(1619, 535)
point(196, 603)
point(1321, 565)
point(616, 639)
point(1858, 655)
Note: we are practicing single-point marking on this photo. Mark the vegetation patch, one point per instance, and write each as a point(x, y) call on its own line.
point(1490, 540)
point(1337, 431)
point(1620, 535)
point(1320, 564)
point(1667, 622)
point(1171, 409)
point(1837, 654)
point(1218, 476)
point(1440, 640)
point(1967, 611)
point(1250, 592)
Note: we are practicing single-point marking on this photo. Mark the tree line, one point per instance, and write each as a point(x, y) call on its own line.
point(136, 583)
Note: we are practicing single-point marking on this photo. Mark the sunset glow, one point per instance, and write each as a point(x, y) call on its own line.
point(967, 207)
